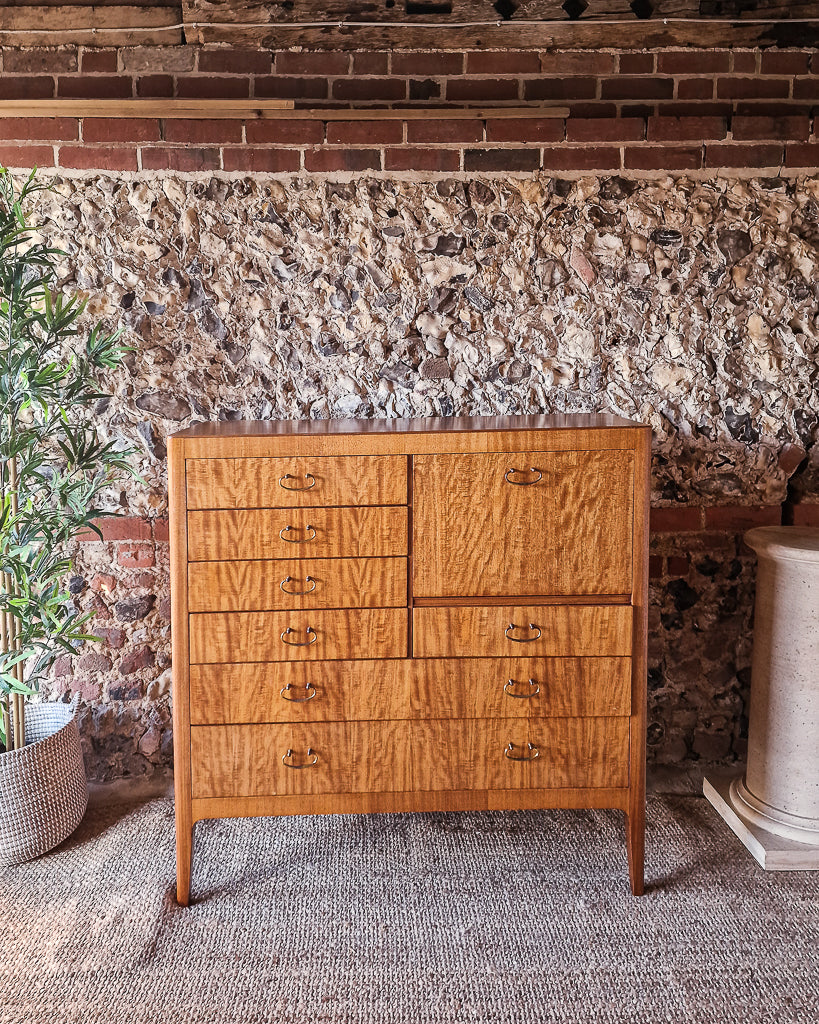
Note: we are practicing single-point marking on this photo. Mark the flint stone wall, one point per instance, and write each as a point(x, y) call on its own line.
point(687, 304)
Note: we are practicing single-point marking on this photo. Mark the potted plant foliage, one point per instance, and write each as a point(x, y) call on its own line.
point(53, 468)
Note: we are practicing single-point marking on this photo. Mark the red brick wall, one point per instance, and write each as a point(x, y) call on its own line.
point(630, 111)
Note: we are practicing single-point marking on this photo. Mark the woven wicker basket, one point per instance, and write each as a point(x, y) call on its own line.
point(43, 789)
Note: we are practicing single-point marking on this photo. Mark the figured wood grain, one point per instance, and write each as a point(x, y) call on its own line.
point(283, 482)
point(227, 637)
point(636, 814)
point(351, 757)
point(565, 631)
point(471, 754)
point(562, 527)
point(181, 668)
point(246, 760)
point(431, 800)
point(441, 714)
point(260, 533)
point(262, 585)
point(409, 689)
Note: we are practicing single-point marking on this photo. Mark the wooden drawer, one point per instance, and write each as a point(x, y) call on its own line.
point(330, 691)
point(556, 631)
point(298, 482)
point(372, 757)
point(476, 754)
point(246, 760)
point(229, 637)
point(527, 523)
point(297, 533)
point(306, 583)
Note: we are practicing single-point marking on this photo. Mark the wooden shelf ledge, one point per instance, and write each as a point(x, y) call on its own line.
point(253, 110)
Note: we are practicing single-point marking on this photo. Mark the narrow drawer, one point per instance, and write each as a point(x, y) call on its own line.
point(292, 584)
point(523, 631)
point(297, 533)
point(545, 753)
point(229, 637)
point(332, 691)
point(523, 523)
point(336, 757)
point(299, 482)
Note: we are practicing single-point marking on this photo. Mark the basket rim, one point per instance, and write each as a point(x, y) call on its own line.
point(30, 749)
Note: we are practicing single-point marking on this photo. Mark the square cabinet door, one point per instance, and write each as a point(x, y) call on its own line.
point(525, 523)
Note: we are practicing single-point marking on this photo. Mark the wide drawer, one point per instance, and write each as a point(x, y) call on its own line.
point(297, 533)
point(261, 585)
point(298, 482)
point(228, 637)
point(353, 757)
point(456, 688)
point(335, 757)
point(527, 523)
point(523, 631)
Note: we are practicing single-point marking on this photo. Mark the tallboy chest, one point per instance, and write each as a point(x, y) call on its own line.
point(409, 615)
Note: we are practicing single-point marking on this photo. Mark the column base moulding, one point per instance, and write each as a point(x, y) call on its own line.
point(771, 851)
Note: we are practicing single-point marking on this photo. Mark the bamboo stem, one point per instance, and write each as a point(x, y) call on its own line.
point(18, 698)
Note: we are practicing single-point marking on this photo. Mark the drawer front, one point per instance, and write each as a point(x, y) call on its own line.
point(372, 757)
point(553, 631)
point(299, 482)
point(333, 691)
point(496, 754)
point(252, 760)
point(297, 533)
point(307, 583)
point(228, 637)
point(523, 524)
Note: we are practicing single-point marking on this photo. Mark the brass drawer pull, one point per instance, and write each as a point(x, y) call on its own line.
point(287, 759)
point(311, 639)
point(523, 483)
point(307, 590)
point(309, 693)
point(530, 752)
point(534, 689)
point(288, 476)
point(311, 533)
point(523, 639)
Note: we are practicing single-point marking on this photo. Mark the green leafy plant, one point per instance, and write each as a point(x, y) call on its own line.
point(53, 465)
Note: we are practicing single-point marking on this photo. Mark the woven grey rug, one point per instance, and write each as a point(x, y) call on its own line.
point(514, 917)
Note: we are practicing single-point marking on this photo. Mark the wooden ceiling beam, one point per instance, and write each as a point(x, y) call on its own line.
point(410, 24)
point(100, 25)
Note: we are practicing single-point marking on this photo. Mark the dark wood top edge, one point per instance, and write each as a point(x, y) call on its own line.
point(420, 425)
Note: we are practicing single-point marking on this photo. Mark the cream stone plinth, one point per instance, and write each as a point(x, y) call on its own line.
point(774, 808)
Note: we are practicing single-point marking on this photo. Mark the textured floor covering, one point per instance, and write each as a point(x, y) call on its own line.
point(508, 917)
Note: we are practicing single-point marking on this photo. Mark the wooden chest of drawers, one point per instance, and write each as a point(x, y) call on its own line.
point(408, 615)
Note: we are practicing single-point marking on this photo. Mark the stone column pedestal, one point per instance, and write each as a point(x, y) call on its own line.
point(774, 807)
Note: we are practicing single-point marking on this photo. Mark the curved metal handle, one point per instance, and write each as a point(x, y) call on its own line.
point(534, 689)
point(289, 579)
point(300, 643)
point(530, 752)
point(523, 483)
point(309, 690)
point(289, 476)
point(523, 639)
point(288, 763)
point(296, 540)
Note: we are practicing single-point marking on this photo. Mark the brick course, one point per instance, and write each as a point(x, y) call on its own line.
point(669, 110)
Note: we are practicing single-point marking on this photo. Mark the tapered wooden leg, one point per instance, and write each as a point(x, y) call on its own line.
point(635, 844)
point(184, 859)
